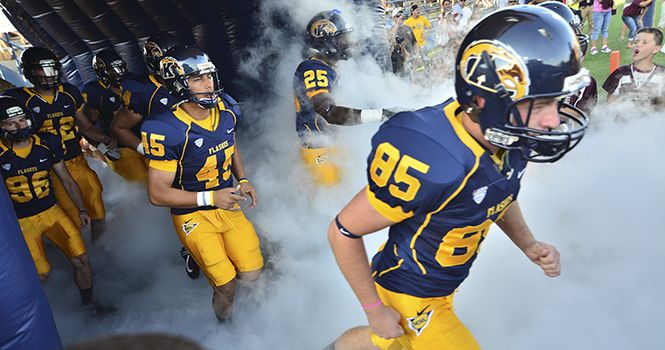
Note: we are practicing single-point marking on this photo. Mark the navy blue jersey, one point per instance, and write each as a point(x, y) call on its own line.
point(444, 191)
point(56, 117)
point(27, 178)
point(312, 77)
point(102, 99)
point(198, 152)
point(146, 96)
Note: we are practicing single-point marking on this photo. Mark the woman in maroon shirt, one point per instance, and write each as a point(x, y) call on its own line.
point(632, 17)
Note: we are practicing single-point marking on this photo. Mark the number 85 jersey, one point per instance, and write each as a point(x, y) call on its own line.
point(444, 191)
point(198, 152)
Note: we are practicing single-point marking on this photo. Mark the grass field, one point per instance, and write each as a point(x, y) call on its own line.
point(599, 65)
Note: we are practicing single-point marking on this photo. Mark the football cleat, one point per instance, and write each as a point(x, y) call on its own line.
point(191, 268)
point(99, 309)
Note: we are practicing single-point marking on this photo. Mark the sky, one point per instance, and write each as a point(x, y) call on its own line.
point(601, 206)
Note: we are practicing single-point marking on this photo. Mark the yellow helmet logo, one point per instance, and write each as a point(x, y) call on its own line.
point(509, 67)
point(153, 49)
point(170, 68)
point(322, 28)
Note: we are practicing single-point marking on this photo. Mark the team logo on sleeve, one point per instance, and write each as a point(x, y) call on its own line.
point(199, 142)
point(112, 99)
point(7, 166)
point(420, 321)
point(479, 194)
point(36, 109)
point(164, 101)
point(509, 67)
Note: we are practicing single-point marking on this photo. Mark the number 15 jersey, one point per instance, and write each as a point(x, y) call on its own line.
point(444, 190)
point(198, 152)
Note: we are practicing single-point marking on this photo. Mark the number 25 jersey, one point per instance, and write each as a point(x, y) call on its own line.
point(444, 191)
point(199, 152)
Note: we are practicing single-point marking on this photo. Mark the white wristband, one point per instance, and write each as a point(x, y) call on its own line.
point(204, 199)
point(139, 148)
point(370, 115)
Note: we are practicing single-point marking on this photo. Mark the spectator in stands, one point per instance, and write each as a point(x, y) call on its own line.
point(404, 31)
point(586, 10)
point(400, 58)
point(462, 13)
point(649, 15)
point(421, 29)
point(643, 80)
point(602, 15)
point(446, 25)
point(633, 16)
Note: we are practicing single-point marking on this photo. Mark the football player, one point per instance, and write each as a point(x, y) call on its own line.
point(440, 176)
point(57, 108)
point(193, 153)
point(586, 98)
point(25, 162)
point(102, 99)
point(144, 94)
point(314, 80)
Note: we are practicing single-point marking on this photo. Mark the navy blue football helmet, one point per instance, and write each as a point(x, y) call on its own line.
point(41, 67)
point(183, 62)
point(110, 67)
point(324, 31)
point(155, 48)
point(567, 14)
point(517, 54)
point(12, 108)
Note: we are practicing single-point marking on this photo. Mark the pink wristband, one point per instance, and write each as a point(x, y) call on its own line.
point(373, 305)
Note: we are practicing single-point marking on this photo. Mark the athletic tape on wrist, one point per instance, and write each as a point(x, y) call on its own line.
point(371, 115)
point(242, 180)
point(204, 199)
point(343, 230)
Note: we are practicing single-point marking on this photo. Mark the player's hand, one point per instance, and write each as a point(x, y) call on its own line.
point(110, 143)
point(226, 198)
point(388, 113)
point(85, 219)
point(384, 322)
point(546, 256)
point(110, 153)
point(248, 189)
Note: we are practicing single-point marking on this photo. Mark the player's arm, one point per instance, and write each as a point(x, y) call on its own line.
point(91, 131)
point(544, 255)
point(90, 113)
point(121, 126)
point(161, 193)
point(73, 191)
point(360, 218)
point(324, 105)
point(238, 170)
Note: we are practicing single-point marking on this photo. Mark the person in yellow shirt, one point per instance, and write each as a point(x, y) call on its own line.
point(421, 28)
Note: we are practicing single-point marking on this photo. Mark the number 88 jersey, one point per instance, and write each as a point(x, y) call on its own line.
point(198, 152)
point(444, 191)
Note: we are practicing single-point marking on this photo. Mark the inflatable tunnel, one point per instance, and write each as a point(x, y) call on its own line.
point(76, 29)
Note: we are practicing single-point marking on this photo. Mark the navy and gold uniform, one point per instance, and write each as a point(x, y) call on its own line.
point(25, 172)
point(146, 96)
point(313, 77)
point(55, 114)
point(200, 155)
point(444, 191)
point(98, 96)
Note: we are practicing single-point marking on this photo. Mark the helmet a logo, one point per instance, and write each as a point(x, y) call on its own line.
point(509, 68)
point(323, 28)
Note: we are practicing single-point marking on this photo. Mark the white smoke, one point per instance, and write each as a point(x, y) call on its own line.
point(600, 205)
